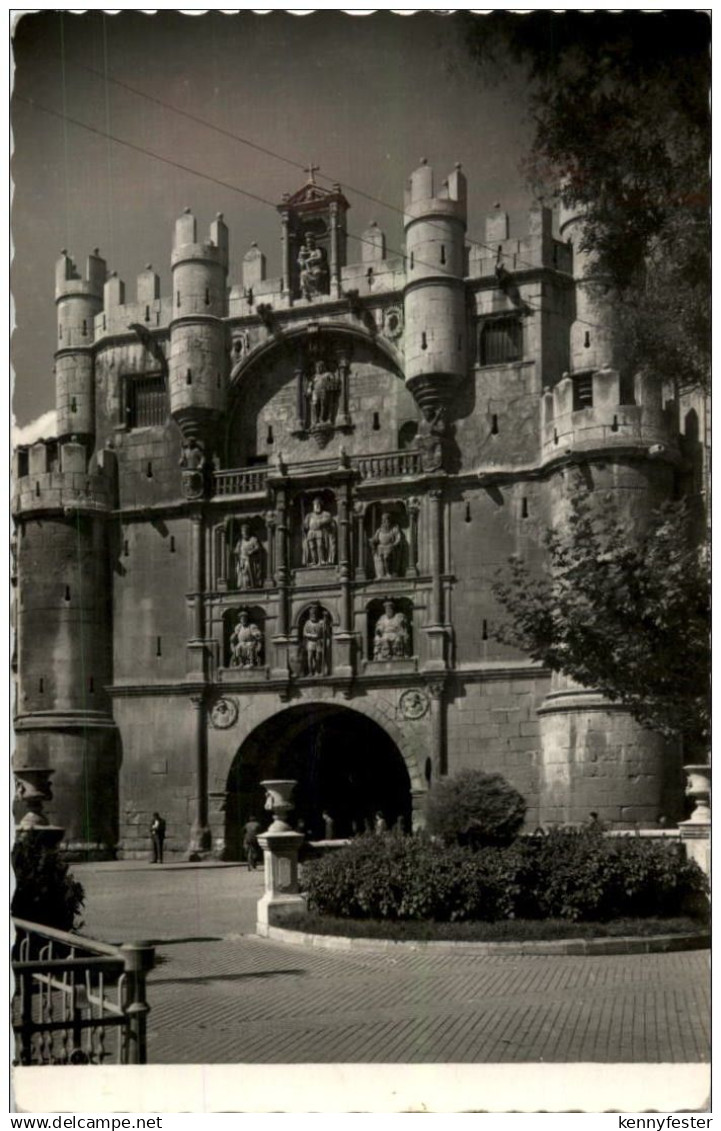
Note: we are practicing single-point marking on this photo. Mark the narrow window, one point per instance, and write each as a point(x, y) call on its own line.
point(177, 298)
point(105, 323)
point(614, 426)
point(91, 685)
point(60, 332)
point(369, 277)
point(41, 685)
point(443, 253)
point(269, 437)
point(376, 422)
point(555, 436)
point(424, 341)
point(250, 296)
point(411, 261)
point(189, 377)
point(73, 405)
point(147, 313)
point(494, 425)
point(85, 327)
point(158, 646)
point(37, 487)
point(67, 592)
point(126, 550)
point(484, 631)
point(468, 513)
point(149, 470)
point(587, 339)
point(524, 507)
point(172, 543)
point(207, 296)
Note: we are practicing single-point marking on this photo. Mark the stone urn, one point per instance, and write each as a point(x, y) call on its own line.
point(698, 788)
point(278, 801)
point(32, 785)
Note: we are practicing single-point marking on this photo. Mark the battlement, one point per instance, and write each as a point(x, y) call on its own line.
point(70, 283)
point(421, 200)
point(52, 475)
point(149, 308)
point(536, 249)
point(186, 246)
point(586, 411)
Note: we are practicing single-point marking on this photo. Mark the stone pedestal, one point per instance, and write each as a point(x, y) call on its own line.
point(32, 784)
point(280, 851)
point(695, 833)
point(281, 896)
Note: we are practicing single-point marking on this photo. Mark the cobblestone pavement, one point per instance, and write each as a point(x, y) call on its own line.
point(219, 997)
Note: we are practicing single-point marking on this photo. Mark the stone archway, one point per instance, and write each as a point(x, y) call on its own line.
point(346, 766)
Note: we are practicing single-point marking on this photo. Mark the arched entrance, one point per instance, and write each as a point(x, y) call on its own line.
point(345, 764)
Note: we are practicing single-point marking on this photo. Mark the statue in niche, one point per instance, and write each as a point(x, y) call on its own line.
point(246, 643)
point(316, 642)
point(319, 540)
point(313, 268)
point(386, 544)
point(322, 389)
point(248, 556)
point(392, 638)
point(431, 438)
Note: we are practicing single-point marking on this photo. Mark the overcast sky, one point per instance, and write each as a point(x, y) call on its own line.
point(362, 97)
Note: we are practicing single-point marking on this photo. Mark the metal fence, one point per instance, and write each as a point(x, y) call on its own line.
point(78, 1001)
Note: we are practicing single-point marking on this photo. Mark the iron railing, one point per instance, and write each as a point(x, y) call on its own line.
point(78, 1001)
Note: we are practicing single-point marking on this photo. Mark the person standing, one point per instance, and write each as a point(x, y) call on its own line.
point(157, 834)
point(250, 843)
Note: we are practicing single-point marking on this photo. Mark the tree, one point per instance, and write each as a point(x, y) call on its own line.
point(45, 890)
point(621, 106)
point(629, 617)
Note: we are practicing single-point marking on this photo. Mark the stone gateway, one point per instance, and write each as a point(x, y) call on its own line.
point(263, 542)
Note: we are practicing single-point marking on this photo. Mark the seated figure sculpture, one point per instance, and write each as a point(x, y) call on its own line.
point(313, 268)
point(246, 643)
point(386, 544)
point(391, 639)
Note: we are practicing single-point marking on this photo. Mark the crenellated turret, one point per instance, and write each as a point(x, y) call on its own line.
point(434, 295)
point(592, 339)
point(78, 299)
point(197, 362)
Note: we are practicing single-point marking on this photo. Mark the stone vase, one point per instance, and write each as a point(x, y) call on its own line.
point(278, 800)
point(698, 788)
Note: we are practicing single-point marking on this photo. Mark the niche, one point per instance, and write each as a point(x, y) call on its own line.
point(390, 629)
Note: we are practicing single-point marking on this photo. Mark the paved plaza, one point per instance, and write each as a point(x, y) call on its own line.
point(221, 995)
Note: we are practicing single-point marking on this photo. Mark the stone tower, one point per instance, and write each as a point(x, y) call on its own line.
point(434, 296)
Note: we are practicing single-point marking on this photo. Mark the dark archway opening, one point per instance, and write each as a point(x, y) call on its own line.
point(345, 764)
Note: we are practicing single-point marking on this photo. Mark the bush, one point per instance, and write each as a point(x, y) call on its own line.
point(576, 877)
point(45, 890)
point(474, 809)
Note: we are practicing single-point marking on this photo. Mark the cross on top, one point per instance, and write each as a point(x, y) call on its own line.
point(311, 170)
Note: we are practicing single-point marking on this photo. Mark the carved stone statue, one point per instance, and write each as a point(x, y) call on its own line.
point(313, 268)
point(246, 643)
point(322, 389)
point(248, 559)
point(392, 639)
point(192, 456)
point(386, 544)
point(431, 439)
point(319, 540)
point(316, 642)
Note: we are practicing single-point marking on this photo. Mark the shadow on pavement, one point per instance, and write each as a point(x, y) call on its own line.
point(223, 977)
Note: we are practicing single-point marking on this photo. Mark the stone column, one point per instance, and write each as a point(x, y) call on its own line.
point(413, 506)
point(270, 521)
point(436, 547)
point(344, 420)
point(343, 661)
point(439, 765)
point(335, 288)
point(196, 644)
point(300, 406)
point(282, 579)
point(200, 832)
point(286, 284)
point(359, 510)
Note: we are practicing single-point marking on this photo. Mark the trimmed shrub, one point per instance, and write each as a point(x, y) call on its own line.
point(576, 877)
point(45, 890)
point(474, 809)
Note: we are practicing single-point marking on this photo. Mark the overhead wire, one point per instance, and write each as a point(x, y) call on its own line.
point(66, 118)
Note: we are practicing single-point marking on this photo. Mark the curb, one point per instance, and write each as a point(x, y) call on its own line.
point(658, 944)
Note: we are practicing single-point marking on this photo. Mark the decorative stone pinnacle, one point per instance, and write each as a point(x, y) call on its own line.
point(424, 161)
point(63, 251)
point(458, 165)
point(148, 267)
point(219, 215)
point(96, 251)
point(186, 211)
